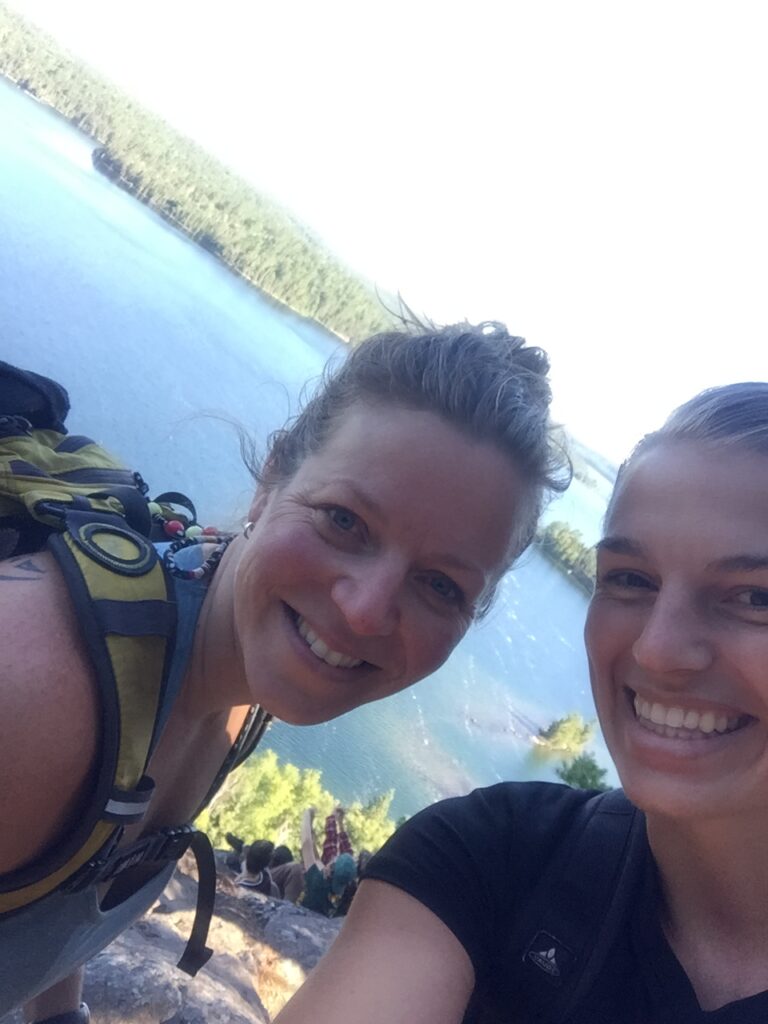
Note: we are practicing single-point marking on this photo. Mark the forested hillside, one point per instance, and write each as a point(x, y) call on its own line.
point(189, 187)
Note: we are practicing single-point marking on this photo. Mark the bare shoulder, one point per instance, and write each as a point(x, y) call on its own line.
point(393, 960)
point(48, 709)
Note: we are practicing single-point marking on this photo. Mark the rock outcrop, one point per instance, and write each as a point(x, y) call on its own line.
point(263, 949)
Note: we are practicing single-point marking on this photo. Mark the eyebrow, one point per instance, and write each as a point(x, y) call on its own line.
point(361, 496)
point(619, 545)
point(457, 563)
point(740, 563)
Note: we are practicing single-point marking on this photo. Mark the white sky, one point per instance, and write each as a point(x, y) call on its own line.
point(592, 173)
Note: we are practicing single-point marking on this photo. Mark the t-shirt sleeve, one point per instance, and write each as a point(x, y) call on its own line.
point(454, 857)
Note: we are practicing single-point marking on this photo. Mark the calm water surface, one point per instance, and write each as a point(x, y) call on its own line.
point(149, 334)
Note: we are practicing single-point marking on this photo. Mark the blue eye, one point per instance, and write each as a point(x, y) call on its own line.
point(445, 588)
point(342, 518)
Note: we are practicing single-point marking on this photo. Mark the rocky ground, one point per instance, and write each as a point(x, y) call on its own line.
point(263, 951)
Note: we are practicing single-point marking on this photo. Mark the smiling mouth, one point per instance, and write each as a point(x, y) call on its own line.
point(320, 649)
point(674, 722)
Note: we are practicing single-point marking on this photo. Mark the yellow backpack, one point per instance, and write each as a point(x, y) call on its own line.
point(69, 495)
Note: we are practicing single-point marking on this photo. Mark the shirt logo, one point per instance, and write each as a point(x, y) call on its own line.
point(546, 959)
point(550, 956)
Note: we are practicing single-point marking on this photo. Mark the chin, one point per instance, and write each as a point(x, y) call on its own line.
point(298, 711)
point(677, 799)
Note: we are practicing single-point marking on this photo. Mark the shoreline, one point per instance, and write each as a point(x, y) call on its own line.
point(582, 583)
point(101, 154)
point(264, 243)
point(122, 182)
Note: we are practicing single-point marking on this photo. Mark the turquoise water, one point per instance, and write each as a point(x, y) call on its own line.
point(150, 335)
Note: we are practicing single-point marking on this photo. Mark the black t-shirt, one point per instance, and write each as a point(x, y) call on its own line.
point(471, 860)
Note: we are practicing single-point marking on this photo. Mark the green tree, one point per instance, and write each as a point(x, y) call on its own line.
point(571, 733)
point(583, 772)
point(266, 799)
point(175, 176)
point(566, 547)
point(370, 825)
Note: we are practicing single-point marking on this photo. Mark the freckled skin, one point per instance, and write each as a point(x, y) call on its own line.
point(675, 621)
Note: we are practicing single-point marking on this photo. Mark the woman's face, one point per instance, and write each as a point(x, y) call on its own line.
point(364, 570)
point(677, 631)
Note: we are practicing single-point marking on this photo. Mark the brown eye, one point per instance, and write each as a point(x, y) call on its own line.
point(626, 580)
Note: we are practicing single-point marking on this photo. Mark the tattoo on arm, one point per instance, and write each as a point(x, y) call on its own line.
point(23, 568)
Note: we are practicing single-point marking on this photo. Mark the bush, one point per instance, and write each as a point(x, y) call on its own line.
point(266, 799)
point(583, 772)
point(570, 734)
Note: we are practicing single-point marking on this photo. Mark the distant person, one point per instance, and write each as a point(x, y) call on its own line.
point(326, 883)
point(384, 516)
point(328, 877)
point(281, 855)
point(538, 902)
point(287, 874)
point(361, 862)
point(235, 859)
point(256, 874)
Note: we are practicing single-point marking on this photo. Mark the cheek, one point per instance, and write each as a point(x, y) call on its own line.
point(604, 646)
point(591, 632)
point(278, 557)
point(610, 630)
point(434, 643)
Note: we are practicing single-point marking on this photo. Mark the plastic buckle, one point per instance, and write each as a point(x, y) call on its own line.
point(91, 871)
point(175, 843)
point(167, 845)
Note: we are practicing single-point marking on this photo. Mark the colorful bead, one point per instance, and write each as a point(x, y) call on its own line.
point(211, 531)
point(206, 569)
point(173, 528)
point(154, 509)
point(194, 531)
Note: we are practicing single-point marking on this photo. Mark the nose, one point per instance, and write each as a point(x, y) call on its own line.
point(674, 637)
point(368, 596)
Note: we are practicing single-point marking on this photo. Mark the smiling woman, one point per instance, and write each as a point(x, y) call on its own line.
point(364, 570)
point(383, 519)
point(537, 902)
point(677, 627)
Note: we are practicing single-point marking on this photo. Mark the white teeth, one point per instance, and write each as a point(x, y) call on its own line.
point(322, 650)
point(674, 722)
point(691, 720)
point(675, 717)
point(319, 648)
point(707, 722)
point(658, 714)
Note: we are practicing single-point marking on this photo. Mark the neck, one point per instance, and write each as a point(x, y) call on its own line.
point(714, 879)
point(714, 870)
point(215, 680)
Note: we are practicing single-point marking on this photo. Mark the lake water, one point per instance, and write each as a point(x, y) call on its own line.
point(150, 334)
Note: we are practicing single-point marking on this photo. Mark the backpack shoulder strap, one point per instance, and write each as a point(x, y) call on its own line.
point(570, 920)
point(126, 610)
